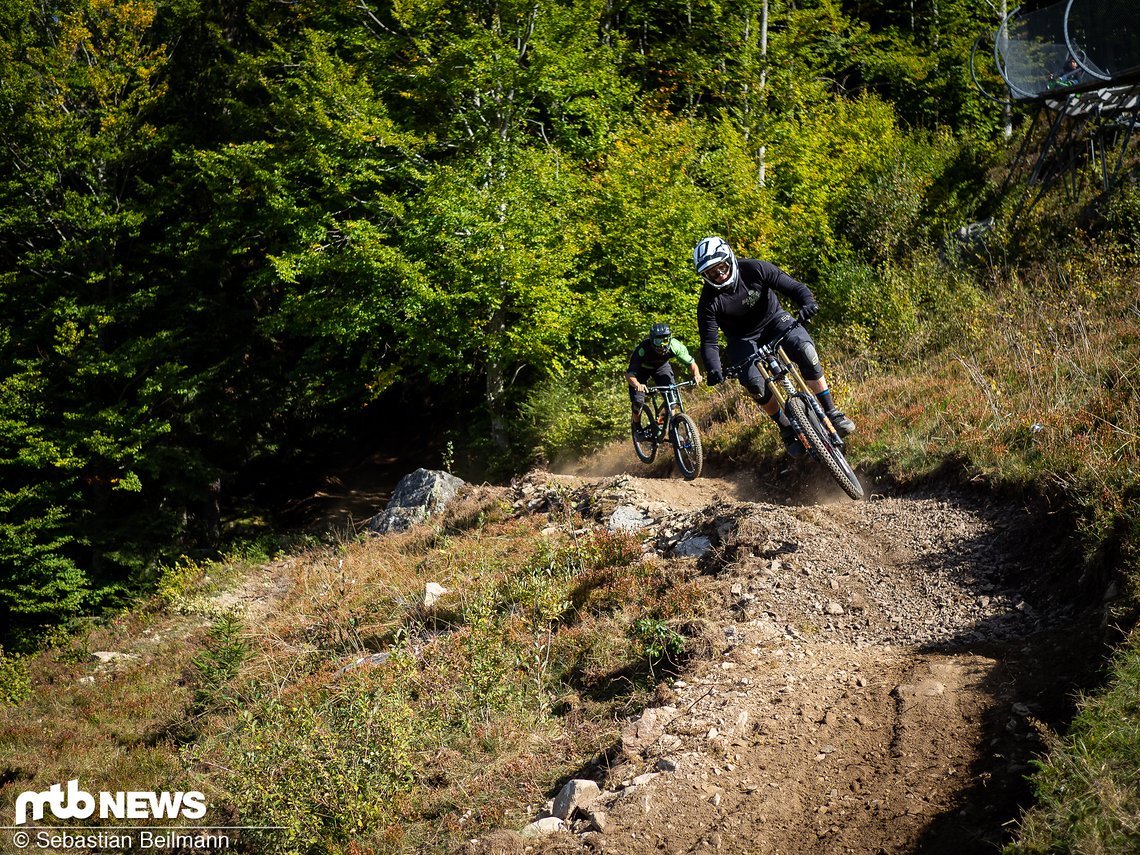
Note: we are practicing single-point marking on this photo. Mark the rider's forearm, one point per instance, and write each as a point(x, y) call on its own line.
point(710, 353)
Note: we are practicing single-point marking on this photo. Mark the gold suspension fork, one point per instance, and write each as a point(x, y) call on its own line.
point(802, 385)
point(778, 389)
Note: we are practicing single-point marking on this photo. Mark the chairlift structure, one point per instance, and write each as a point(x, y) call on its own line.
point(1078, 63)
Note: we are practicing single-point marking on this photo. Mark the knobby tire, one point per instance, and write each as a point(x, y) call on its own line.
point(819, 442)
point(687, 449)
point(645, 435)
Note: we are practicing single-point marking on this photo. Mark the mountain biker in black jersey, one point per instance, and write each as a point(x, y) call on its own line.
point(651, 360)
point(740, 297)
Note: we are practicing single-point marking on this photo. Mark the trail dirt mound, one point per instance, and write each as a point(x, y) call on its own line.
point(882, 673)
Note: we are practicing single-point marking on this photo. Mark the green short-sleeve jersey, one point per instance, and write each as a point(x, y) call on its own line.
point(645, 357)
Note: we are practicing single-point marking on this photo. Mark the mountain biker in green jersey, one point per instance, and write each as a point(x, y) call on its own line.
point(650, 360)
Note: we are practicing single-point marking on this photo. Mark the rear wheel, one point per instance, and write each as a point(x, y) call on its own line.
point(645, 435)
point(686, 445)
point(821, 447)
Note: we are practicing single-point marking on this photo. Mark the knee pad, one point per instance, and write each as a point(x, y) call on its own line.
point(806, 358)
point(762, 397)
point(753, 382)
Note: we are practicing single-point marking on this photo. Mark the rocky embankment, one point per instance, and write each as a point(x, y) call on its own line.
point(875, 678)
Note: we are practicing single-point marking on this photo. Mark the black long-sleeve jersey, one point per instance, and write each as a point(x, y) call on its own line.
point(745, 311)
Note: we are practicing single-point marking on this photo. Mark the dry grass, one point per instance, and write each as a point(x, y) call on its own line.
point(1041, 391)
point(473, 711)
point(471, 700)
point(110, 725)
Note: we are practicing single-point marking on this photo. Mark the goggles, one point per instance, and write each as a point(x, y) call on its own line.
point(717, 273)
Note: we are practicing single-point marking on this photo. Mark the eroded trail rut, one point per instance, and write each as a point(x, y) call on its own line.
point(878, 674)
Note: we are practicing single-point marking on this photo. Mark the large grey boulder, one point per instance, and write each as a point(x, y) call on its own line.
point(628, 518)
point(417, 496)
point(577, 795)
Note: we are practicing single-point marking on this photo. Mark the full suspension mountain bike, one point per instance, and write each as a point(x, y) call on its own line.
point(799, 404)
point(663, 419)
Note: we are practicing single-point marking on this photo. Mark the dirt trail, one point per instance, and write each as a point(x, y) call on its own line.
point(879, 674)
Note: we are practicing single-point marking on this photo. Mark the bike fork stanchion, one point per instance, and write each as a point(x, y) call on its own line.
point(833, 434)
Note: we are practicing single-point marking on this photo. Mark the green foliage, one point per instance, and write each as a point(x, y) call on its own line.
point(178, 581)
point(919, 55)
point(218, 663)
point(1087, 789)
point(658, 640)
point(481, 77)
point(181, 300)
point(327, 767)
point(821, 160)
point(891, 310)
point(15, 684)
point(490, 682)
point(648, 206)
point(502, 254)
point(888, 212)
point(1122, 215)
point(74, 444)
point(569, 416)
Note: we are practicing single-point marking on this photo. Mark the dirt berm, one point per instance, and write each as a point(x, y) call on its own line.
point(879, 675)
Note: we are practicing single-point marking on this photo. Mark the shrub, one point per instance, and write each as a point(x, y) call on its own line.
point(658, 640)
point(15, 684)
point(331, 766)
point(572, 415)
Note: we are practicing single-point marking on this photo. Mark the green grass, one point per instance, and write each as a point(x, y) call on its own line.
point(1088, 791)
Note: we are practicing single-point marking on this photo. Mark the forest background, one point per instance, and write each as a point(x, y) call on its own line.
point(245, 243)
point(236, 235)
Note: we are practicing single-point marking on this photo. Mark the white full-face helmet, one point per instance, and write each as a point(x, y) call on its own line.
point(716, 262)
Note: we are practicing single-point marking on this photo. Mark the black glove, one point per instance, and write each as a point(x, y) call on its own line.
point(715, 377)
point(808, 310)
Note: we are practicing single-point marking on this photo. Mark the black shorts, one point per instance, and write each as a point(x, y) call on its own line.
point(663, 376)
point(797, 344)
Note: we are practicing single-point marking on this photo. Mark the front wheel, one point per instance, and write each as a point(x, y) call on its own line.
point(686, 445)
point(820, 445)
point(645, 435)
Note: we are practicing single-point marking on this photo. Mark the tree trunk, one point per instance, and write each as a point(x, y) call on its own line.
point(497, 384)
point(1007, 108)
point(763, 78)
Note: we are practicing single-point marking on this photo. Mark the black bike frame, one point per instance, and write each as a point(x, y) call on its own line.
point(666, 402)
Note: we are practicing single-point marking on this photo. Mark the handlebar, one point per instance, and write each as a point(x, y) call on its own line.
point(670, 386)
point(771, 347)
